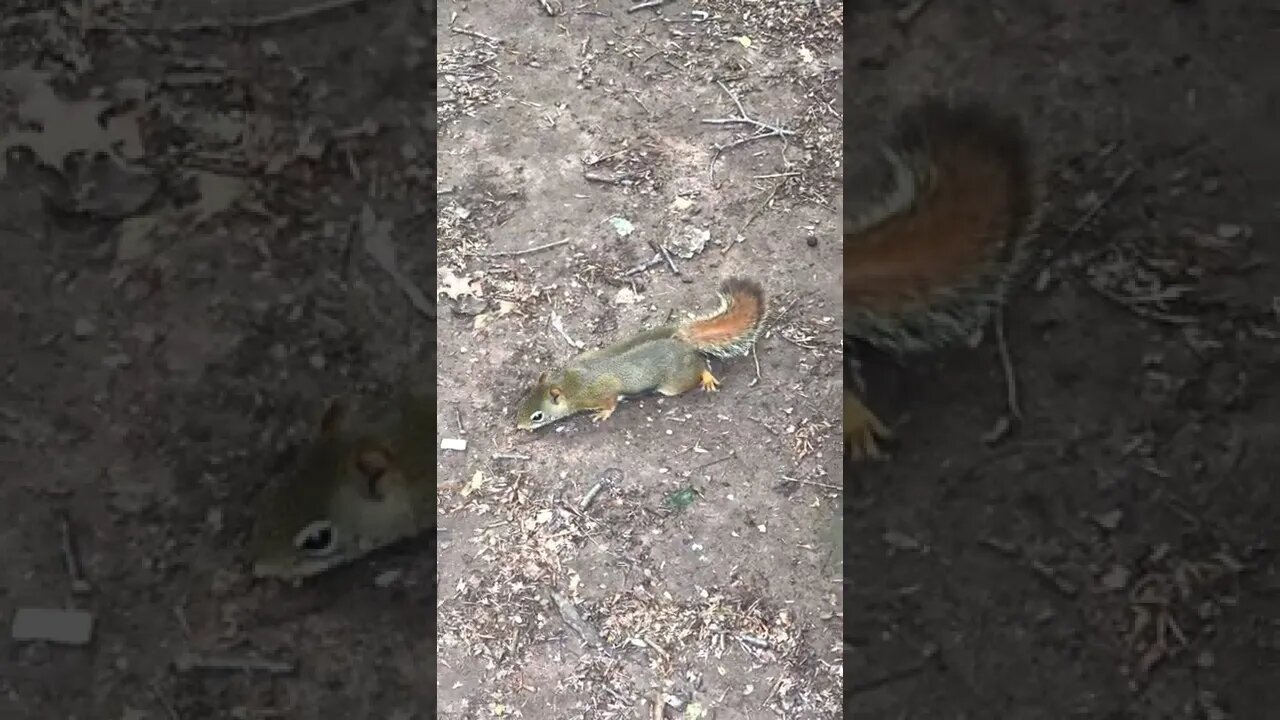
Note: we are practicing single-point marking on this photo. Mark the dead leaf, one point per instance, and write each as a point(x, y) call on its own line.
point(473, 484)
point(454, 287)
point(65, 127)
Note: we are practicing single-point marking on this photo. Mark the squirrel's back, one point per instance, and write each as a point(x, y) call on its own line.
point(926, 266)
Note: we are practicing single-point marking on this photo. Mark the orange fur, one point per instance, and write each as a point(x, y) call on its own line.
point(974, 199)
point(735, 325)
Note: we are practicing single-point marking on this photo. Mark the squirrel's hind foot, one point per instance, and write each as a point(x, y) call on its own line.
point(708, 381)
point(863, 430)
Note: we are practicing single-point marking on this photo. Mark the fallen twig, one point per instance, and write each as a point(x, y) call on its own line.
point(751, 218)
point(765, 129)
point(558, 323)
point(908, 14)
point(665, 256)
point(1102, 202)
point(255, 23)
point(378, 243)
point(526, 251)
point(815, 483)
point(657, 260)
point(1010, 377)
point(474, 34)
point(71, 557)
point(646, 5)
point(189, 662)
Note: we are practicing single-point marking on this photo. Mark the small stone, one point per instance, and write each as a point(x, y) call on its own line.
point(453, 444)
point(1116, 578)
point(317, 361)
point(900, 541)
point(116, 361)
point(1229, 231)
point(812, 241)
point(83, 329)
point(65, 627)
point(270, 48)
point(1109, 520)
point(1211, 186)
point(386, 578)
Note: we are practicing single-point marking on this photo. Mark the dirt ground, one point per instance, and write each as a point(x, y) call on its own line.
point(1114, 554)
point(168, 335)
point(703, 574)
point(159, 370)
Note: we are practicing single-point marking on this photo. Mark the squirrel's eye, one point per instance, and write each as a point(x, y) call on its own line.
point(318, 538)
point(536, 416)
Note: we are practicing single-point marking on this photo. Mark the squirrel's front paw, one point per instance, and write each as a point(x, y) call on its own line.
point(602, 414)
point(862, 430)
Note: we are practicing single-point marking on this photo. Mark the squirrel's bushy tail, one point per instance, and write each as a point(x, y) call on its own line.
point(731, 330)
point(930, 262)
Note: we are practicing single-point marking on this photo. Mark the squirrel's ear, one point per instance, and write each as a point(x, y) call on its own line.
point(554, 393)
point(542, 379)
point(334, 414)
point(373, 463)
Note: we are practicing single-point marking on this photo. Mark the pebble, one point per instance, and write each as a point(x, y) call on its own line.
point(83, 329)
point(1228, 231)
point(65, 627)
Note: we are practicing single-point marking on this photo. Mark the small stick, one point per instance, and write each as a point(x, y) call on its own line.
point(665, 256)
point(475, 34)
point(765, 129)
point(815, 483)
point(1089, 215)
point(164, 702)
point(547, 7)
point(558, 323)
point(644, 5)
point(79, 585)
point(751, 218)
point(889, 678)
point(657, 260)
point(1102, 202)
point(606, 179)
point(908, 14)
point(1010, 378)
point(602, 158)
point(510, 456)
point(257, 23)
point(526, 251)
point(706, 465)
point(188, 662)
point(1153, 315)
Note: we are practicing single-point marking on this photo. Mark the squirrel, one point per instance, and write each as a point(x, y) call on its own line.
point(354, 491)
point(668, 359)
point(927, 265)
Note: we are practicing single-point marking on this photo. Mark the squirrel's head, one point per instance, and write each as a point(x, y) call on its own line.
point(346, 497)
point(544, 404)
